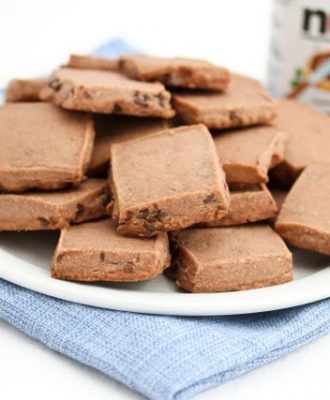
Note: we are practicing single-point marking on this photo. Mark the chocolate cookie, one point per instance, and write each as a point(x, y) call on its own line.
point(304, 220)
point(231, 258)
point(111, 129)
point(43, 147)
point(53, 210)
point(106, 92)
point(245, 103)
point(94, 251)
point(248, 154)
point(20, 90)
point(167, 181)
point(251, 204)
point(176, 72)
point(309, 139)
point(92, 62)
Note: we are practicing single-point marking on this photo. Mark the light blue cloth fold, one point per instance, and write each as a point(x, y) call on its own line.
point(115, 48)
point(162, 358)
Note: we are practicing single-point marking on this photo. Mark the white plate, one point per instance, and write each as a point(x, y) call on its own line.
point(25, 259)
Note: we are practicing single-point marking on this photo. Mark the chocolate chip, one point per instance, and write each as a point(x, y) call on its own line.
point(87, 95)
point(117, 109)
point(234, 116)
point(160, 214)
point(130, 215)
point(54, 222)
point(43, 222)
point(106, 199)
point(141, 99)
point(161, 99)
point(102, 256)
point(150, 228)
point(59, 258)
point(28, 152)
point(80, 210)
point(211, 198)
point(142, 214)
point(69, 93)
point(55, 84)
point(128, 268)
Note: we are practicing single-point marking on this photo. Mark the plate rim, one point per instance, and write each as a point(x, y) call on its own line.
point(294, 293)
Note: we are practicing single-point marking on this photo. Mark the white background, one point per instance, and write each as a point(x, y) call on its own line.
point(35, 36)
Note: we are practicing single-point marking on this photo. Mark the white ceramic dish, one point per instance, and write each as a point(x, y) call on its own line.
point(25, 259)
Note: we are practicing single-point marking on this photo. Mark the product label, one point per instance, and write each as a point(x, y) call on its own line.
point(300, 51)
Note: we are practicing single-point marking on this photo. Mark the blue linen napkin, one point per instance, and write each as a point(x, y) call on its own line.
point(161, 357)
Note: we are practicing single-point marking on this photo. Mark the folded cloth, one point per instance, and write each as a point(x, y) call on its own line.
point(115, 48)
point(161, 357)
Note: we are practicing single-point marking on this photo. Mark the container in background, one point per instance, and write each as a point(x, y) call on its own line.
point(299, 64)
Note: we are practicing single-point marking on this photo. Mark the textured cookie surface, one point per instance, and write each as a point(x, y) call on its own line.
point(111, 129)
point(21, 90)
point(92, 62)
point(176, 72)
point(245, 103)
point(106, 92)
point(304, 220)
point(231, 258)
point(251, 204)
point(43, 146)
point(247, 154)
point(308, 142)
point(53, 210)
point(167, 181)
point(94, 251)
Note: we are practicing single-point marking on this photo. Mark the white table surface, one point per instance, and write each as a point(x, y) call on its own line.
point(37, 35)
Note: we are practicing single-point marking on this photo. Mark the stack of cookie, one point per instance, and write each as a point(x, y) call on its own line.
point(98, 141)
